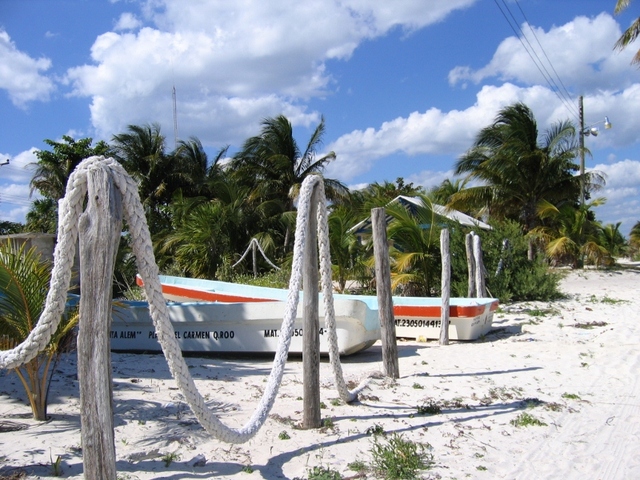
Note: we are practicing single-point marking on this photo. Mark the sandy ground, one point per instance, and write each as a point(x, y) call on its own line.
point(581, 383)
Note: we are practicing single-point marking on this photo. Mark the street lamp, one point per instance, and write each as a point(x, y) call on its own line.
point(585, 132)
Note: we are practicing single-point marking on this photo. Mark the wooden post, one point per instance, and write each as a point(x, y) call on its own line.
point(254, 247)
point(471, 264)
point(477, 255)
point(311, 323)
point(446, 286)
point(383, 289)
point(100, 227)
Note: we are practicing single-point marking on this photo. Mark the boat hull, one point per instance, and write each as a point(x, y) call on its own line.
point(415, 317)
point(206, 327)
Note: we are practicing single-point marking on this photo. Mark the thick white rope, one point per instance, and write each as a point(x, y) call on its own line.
point(254, 241)
point(70, 211)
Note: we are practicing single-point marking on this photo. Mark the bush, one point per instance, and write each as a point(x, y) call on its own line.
point(519, 278)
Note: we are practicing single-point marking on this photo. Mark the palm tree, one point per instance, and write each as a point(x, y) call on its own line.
point(274, 167)
point(516, 172)
point(43, 216)
point(573, 236)
point(275, 162)
point(634, 240)
point(142, 153)
point(24, 283)
point(415, 235)
point(199, 176)
point(613, 241)
point(444, 192)
point(630, 34)
point(203, 232)
point(344, 245)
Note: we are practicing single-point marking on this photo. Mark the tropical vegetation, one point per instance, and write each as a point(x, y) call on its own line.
point(203, 212)
point(630, 34)
point(24, 283)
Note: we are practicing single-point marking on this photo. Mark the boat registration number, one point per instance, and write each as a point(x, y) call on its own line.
point(416, 323)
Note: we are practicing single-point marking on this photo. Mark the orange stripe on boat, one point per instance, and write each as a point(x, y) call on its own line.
point(207, 296)
point(204, 295)
point(435, 310)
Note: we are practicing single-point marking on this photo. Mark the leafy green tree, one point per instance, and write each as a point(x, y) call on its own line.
point(516, 172)
point(630, 34)
point(53, 168)
point(7, 228)
point(634, 238)
point(52, 172)
point(24, 284)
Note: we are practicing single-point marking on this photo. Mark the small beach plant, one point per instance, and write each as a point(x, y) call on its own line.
point(170, 457)
point(398, 458)
point(323, 473)
point(527, 420)
point(24, 284)
point(56, 466)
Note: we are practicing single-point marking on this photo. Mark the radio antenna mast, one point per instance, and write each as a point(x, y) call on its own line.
point(175, 119)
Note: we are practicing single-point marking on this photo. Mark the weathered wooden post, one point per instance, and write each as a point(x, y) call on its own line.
point(383, 290)
point(477, 255)
point(254, 247)
point(446, 286)
point(311, 323)
point(471, 264)
point(100, 227)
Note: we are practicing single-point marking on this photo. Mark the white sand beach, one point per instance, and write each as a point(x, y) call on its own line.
point(583, 384)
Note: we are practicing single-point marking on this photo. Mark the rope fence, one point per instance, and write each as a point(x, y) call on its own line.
point(70, 210)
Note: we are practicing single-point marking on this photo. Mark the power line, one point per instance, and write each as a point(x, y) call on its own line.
point(563, 96)
point(567, 95)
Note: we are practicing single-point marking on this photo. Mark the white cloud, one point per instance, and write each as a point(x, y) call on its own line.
point(452, 133)
point(20, 75)
point(232, 64)
point(579, 52)
point(20, 167)
point(15, 197)
point(127, 21)
point(430, 178)
point(622, 192)
point(433, 132)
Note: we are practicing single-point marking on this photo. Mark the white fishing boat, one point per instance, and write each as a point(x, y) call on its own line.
point(415, 317)
point(251, 327)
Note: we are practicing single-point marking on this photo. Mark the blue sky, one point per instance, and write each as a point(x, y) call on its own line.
point(404, 86)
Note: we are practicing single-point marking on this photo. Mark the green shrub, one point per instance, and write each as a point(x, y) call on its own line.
point(322, 473)
point(519, 279)
point(399, 458)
